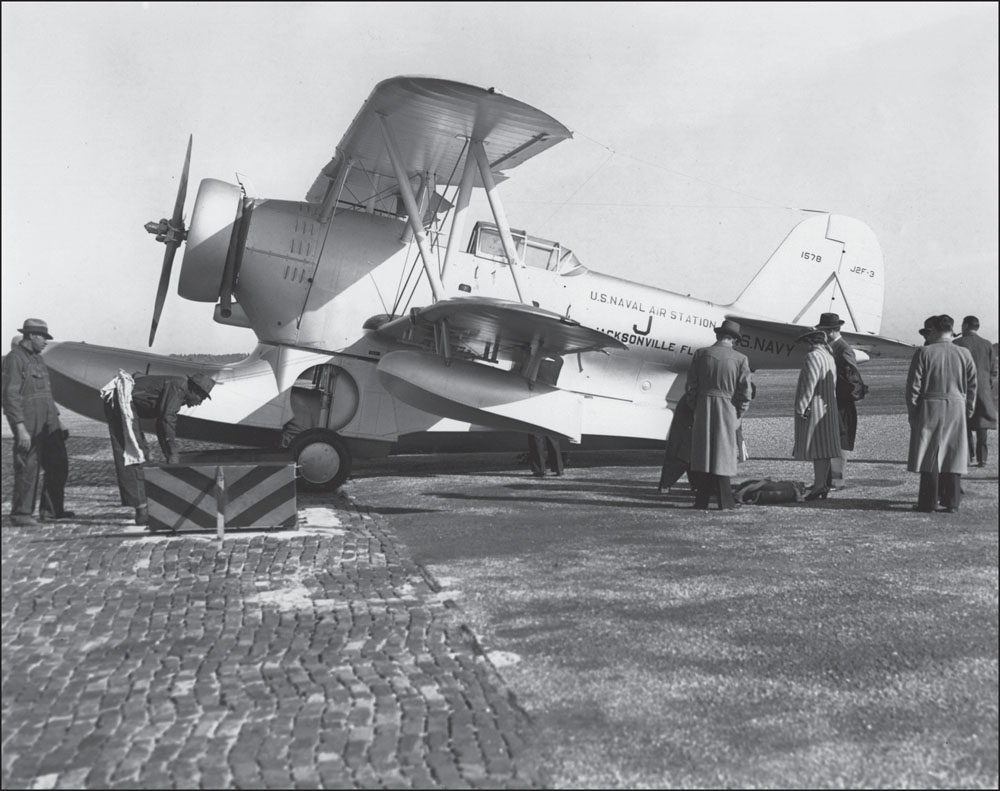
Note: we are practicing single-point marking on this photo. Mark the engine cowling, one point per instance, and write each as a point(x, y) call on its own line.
point(208, 240)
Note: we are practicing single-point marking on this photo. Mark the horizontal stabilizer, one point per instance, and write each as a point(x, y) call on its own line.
point(870, 344)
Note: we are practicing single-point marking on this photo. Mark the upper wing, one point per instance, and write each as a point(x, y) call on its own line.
point(872, 345)
point(431, 120)
point(491, 329)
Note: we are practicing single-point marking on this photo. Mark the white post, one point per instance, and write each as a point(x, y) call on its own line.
point(220, 502)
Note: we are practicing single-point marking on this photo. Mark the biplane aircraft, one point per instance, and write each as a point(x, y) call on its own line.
point(387, 317)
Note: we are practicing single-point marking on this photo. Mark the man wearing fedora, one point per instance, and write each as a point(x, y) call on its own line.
point(718, 391)
point(159, 398)
point(984, 417)
point(940, 396)
point(850, 389)
point(39, 438)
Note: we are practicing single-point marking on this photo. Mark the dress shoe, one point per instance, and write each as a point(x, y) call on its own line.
point(46, 516)
point(142, 515)
point(817, 494)
point(23, 520)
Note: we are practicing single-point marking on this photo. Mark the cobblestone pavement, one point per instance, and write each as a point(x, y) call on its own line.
point(319, 657)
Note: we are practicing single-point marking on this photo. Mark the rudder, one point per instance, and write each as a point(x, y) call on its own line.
point(827, 263)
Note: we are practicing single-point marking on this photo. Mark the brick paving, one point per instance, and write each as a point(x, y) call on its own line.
point(319, 657)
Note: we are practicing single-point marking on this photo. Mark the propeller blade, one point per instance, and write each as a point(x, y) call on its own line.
point(182, 187)
point(171, 234)
point(161, 291)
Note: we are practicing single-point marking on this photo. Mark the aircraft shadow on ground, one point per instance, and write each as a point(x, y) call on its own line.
point(394, 511)
point(851, 459)
point(653, 500)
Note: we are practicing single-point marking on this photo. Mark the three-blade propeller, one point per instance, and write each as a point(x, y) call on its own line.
point(171, 232)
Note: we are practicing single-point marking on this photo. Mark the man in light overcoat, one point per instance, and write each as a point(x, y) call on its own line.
point(940, 396)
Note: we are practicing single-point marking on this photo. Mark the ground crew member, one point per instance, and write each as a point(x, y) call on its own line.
point(126, 400)
point(39, 438)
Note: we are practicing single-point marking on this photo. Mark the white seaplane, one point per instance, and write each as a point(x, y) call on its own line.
point(387, 318)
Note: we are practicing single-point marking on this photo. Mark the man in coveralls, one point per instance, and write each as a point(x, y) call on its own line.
point(39, 438)
point(152, 397)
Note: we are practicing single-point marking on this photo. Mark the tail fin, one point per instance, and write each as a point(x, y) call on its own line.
point(828, 263)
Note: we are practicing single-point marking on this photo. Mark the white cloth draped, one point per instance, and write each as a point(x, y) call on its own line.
point(122, 386)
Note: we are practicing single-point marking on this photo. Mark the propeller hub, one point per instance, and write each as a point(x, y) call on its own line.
point(166, 231)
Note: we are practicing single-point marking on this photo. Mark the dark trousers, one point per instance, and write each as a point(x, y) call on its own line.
point(672, 471)
point(943, 487)
point(48, 453)
point(543, 452)
point(55, 471)
point(979, 439)
point(131, 483)
point(707, 485)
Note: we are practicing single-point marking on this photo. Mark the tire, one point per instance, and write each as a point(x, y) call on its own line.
point(322, 460)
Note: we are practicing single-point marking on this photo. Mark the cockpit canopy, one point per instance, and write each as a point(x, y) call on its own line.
point(533, 251)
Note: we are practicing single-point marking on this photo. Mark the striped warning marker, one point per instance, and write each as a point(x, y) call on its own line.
point(185, 496)
point(262, 495)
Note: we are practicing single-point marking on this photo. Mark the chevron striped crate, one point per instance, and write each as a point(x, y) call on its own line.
point(189, 496)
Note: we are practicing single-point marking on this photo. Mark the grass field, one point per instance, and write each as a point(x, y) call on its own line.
point(850, 644)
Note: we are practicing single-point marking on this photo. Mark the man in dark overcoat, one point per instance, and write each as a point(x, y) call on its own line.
point(984, 417)
point(850, 389)
point(718, 391)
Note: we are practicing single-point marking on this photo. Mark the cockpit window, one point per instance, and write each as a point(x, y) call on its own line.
point(533, 251)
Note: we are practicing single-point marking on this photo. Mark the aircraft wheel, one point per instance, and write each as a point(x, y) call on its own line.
point(323, 460)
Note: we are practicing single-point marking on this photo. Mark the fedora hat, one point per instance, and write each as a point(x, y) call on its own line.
point(829, 321)
point(36, 326)
point(728, 327)
point(930, 325)
point(202, 383)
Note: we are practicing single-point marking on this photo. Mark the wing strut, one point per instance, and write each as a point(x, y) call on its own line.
point(498, 213)
point(461, 209)
point(334, 191)
point(414, 217)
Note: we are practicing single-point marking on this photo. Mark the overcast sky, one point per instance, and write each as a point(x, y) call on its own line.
point(700, 132)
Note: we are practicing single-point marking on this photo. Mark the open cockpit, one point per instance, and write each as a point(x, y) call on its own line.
point(533, 251)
